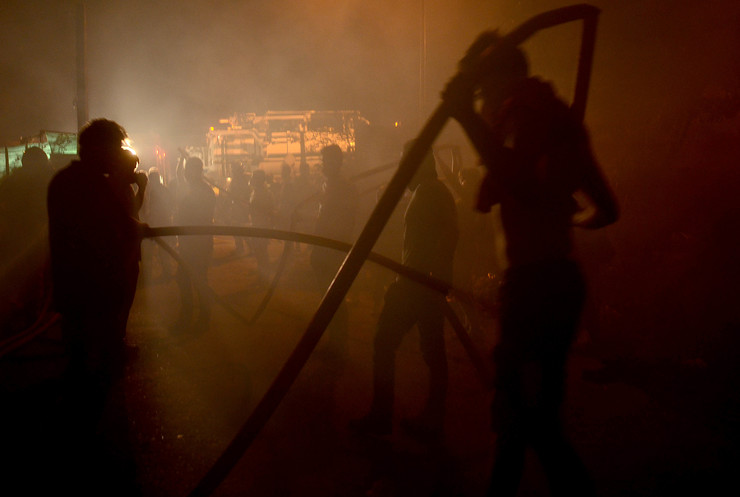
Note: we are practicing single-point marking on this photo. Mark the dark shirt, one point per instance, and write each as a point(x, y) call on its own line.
point(93, 237)
point(550, 153)
point(430, 230)
point(336, 221)
point(262, 207)
point(22, 210)
point(159, 205)
point(240, 193)
point(337, 211)
point(195, 207)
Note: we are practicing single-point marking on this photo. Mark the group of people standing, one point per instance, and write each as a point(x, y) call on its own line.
point(189, 200)
point(536, 155)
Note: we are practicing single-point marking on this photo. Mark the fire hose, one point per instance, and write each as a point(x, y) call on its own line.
point(287, 249)
point(360, 251)
point(289, 236)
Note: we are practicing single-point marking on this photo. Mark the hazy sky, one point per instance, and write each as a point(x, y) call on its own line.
point(170, 69)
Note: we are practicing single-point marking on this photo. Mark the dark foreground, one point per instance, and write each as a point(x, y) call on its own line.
point(642, 427)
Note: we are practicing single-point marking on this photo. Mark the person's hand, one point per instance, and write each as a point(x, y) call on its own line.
point(459, 96)
point(483, 43)
point(142, 229)
point(141, 180)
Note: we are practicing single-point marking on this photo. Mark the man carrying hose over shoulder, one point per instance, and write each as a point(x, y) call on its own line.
point(537, 155)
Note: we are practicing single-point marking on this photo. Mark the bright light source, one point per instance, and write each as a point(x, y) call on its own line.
point(128, 146)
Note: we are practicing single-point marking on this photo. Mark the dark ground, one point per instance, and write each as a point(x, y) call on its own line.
point(643, 427)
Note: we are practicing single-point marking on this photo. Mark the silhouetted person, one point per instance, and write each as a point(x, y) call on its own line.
point(336, 220)
point(23, 241)
point(287, 197)
point(389, 244)
point(477, 268)
point(262, 215)
point(195, 207)
point(178, 180)
point(305, 210)
point(240, 192)
point(475, 257)
point(429, 240)
point(23, 202)
point(537, 155)
point(94, 243)
point(158, 208)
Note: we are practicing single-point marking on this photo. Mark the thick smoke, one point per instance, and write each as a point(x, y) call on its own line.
point(167, 71)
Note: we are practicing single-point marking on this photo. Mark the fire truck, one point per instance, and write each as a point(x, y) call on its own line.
point(268, 140)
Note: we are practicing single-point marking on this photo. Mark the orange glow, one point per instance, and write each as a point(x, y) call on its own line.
point(128, 146)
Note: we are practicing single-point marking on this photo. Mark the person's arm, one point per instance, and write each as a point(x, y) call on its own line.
point(509, 159)
point(180, 170)
point(458, 99)
point(141, 180)
point(603, 209)
point(459, 102)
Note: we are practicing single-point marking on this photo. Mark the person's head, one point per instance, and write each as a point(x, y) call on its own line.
point(286, 170)
point(258, 178)
point(154, 176)
point(35, 159)
point(501, 64)
point(102, 142)
point(193, 169)
point(331, 160)
point(427, 169)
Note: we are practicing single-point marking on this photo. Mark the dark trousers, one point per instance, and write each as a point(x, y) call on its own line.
point(326, 266)
point(258, 246)
point(92, 451)
point(540, 309)
point(408, 304)
point(194, 281)
point(94, 342)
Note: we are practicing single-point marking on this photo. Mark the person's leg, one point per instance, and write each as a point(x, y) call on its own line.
point(432, 342)
point(337, 332)
point(185, 315)
point(508, 465)
point(86, 394)
point(200, 276)
point(560, 308)
point(565, 471)
point(164, 260)
point(259, 248)
point(510, 424)
point(394, 322)
point(508, 409)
